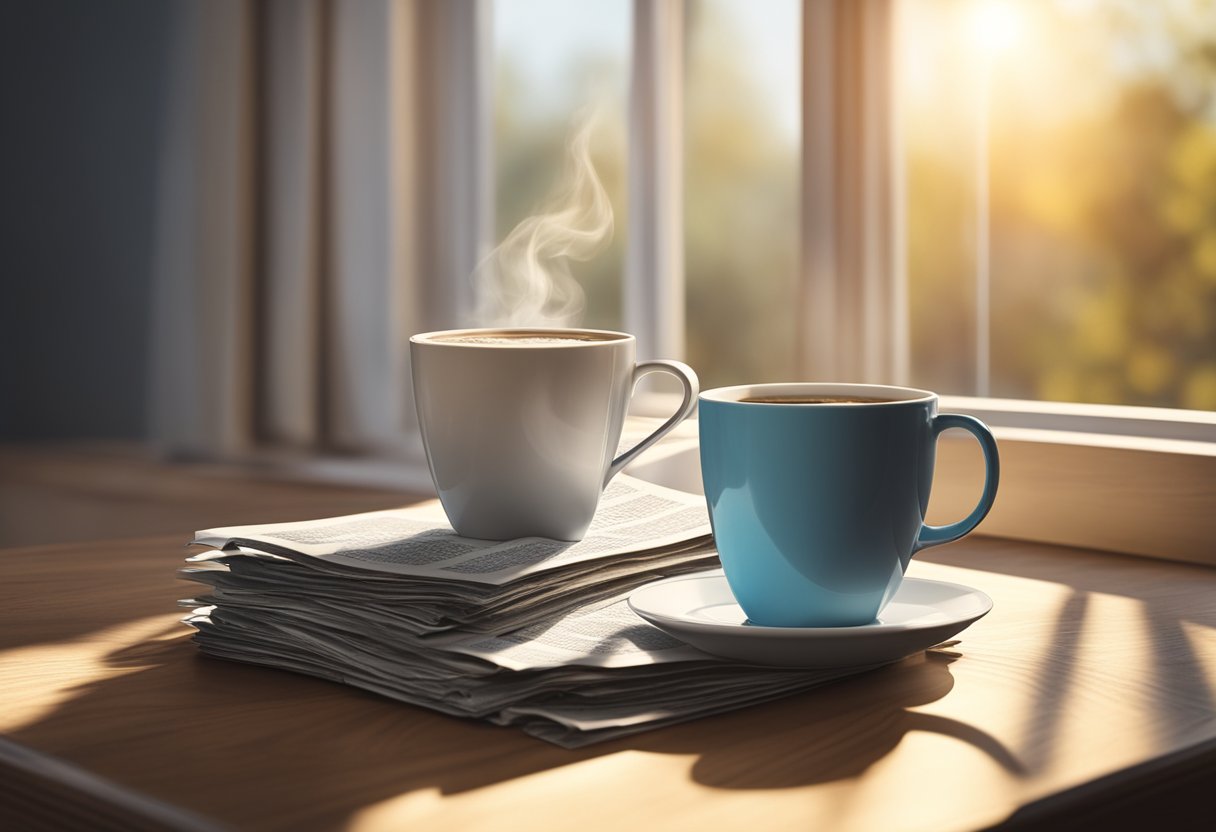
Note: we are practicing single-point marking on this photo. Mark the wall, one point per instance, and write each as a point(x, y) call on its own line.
point(80, 89)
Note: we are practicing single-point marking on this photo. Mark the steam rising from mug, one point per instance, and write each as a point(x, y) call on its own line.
point(526, 281)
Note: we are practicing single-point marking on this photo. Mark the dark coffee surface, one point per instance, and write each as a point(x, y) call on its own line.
point(815, 400)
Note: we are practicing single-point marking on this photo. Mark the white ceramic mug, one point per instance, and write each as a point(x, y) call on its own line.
point(521, 425)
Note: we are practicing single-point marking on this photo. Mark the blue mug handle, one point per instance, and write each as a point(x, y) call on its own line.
point(936, 535)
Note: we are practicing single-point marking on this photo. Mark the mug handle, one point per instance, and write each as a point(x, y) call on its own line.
point(691, 388)
point(936, 535)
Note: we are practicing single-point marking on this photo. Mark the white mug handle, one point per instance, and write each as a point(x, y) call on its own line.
point(692, 387)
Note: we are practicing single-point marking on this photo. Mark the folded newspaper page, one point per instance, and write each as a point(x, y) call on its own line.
point(633, 516)
point(424, 607)
point(530, 633)
point(587, 676)
point(408, 567)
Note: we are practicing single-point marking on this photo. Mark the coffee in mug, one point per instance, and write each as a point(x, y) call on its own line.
point(817, 494)
point(518, 339)
point(813, 400)
point(521, 426)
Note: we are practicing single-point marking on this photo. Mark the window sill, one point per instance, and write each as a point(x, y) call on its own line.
point(1118, 420)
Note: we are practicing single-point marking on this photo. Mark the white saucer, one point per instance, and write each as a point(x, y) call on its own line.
point(700, 610)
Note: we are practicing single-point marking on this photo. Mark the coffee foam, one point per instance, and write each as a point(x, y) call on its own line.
point(522, 339)
point(793, 399)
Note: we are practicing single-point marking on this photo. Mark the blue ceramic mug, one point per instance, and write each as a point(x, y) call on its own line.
point(817, 494)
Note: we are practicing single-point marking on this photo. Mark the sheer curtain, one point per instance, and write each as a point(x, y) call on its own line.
point(323, 197)
point(326, 192)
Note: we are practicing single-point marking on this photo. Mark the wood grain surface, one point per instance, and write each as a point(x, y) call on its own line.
point(105, 491)
point(1093, 673)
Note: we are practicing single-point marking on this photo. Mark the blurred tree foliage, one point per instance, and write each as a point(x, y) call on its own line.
point(1103, 222)
point(1105, 242)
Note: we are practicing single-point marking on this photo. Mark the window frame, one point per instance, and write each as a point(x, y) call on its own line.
point(654, 256)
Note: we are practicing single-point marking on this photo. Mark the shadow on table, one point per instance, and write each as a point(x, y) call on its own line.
point(1160, 611)
point(231, 741)
point(831, 734)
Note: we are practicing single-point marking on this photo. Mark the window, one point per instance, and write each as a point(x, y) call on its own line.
point(1061, 199)
point(1056, 164)
point(1013, 199)
point(1046, 229)
point(980, 197)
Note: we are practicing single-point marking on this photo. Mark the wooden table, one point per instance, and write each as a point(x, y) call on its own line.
point(1086, 694)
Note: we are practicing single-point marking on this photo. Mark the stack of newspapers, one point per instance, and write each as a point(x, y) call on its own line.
point(533, 632)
